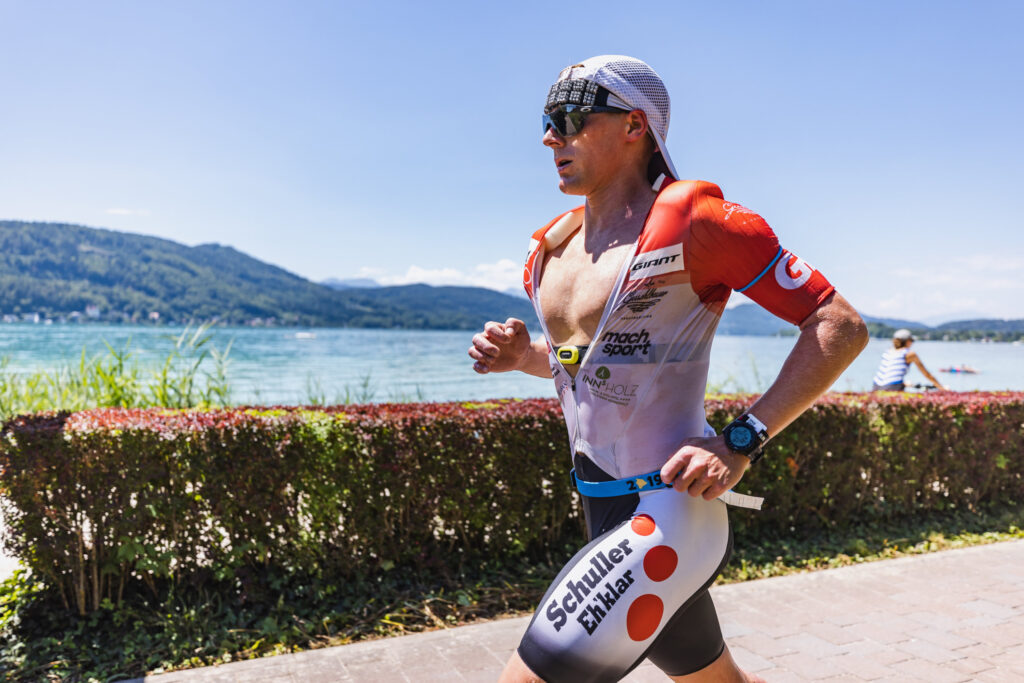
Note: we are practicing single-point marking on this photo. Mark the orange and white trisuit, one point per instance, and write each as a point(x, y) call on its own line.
point(638, 393)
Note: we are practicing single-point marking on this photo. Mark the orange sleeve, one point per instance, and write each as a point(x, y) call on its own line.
point(731, 246)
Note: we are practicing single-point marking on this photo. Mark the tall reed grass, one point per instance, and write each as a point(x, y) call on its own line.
point(193, 375)
point(116, 379)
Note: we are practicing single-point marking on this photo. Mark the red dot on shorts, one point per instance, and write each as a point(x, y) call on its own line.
point(643, 617)
point(659, 562)
point(643, 525)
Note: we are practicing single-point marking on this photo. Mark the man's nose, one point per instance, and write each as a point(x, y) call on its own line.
point(552, 138)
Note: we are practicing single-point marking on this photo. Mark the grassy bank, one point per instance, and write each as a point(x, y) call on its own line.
point(115, 379)
point(257, 615)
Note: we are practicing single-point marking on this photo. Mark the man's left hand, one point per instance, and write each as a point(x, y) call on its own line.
point(704, 467)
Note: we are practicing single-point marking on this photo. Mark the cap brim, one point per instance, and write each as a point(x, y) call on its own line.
point(664, 155)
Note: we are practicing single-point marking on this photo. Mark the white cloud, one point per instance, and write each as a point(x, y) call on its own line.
point(960, 286)
point(501, 275)
point(128, 212)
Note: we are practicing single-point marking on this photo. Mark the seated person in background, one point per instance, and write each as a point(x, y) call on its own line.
point(895, 363)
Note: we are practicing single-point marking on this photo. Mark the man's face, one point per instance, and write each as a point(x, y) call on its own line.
point(592, 158)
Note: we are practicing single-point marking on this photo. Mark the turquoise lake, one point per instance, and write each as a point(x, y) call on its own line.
point(292, 365)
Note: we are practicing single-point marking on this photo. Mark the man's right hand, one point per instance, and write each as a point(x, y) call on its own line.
point(500, 347)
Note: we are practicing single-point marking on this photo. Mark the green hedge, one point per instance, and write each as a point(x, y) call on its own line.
point(96, 501)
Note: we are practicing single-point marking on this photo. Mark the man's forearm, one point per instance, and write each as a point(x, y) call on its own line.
point(535, 362)
point(830, 339)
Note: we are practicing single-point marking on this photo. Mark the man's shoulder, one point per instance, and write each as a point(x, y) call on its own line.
point(685, 191)
point(539, 233)
point(556, 230)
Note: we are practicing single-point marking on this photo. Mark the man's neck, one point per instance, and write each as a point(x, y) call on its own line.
point(619, 207)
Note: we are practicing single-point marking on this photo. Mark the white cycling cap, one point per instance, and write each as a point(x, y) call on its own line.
point(624, 82)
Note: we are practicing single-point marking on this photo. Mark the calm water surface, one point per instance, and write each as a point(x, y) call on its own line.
point(292, 365)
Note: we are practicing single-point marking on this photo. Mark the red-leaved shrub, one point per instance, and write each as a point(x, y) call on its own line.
point(97, 499)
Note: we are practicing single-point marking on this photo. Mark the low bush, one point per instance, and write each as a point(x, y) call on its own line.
point(100, 499)
point(169, 538)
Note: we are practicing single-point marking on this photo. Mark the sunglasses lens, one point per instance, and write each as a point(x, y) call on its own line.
point(565, 121)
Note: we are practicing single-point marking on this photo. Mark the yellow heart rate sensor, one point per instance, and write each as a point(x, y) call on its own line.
point(569, 354)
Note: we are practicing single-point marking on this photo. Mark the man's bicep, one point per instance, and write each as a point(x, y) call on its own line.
point(737, 248)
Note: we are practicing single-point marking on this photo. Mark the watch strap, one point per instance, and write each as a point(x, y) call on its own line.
point(760, 430)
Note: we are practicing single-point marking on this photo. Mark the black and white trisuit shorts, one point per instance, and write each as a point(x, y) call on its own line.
point(638, 590)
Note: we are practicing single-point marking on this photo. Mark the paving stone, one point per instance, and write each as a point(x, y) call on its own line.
point(884, 655)
point(1000, 635)
point(747, 660)
point(988, 608)
point(807, 643)
point(311, 677)
point(922, 649)
point(927, 671)
point(949, 618)
point(880, 632)
point(781, 675)
point(970, 665)
point(645, 674)
point(763, 645)
point(942, 638)
point(468, 657)
point(808, 666)
point(998, 675)
point(1013, 598)
point(837, 635)
point(733, 628)
point(867, 669)
point(482, 675)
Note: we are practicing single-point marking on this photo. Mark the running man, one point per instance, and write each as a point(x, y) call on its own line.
point(629, 289)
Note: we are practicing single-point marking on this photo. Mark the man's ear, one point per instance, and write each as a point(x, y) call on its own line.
point(636, 122)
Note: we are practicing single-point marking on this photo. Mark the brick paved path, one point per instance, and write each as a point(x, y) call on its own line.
point(951, 616)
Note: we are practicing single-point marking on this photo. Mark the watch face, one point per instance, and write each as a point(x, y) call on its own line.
point(740, 437)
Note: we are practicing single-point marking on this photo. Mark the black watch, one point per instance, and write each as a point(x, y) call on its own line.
point(746, 435)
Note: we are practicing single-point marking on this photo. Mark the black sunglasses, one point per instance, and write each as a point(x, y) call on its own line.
point(568, 119)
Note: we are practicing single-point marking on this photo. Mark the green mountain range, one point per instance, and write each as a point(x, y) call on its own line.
point(57, 270)
point(62, 271)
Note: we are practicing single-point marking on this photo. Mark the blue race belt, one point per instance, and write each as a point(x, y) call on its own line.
point(651, 482)
point(619, 487)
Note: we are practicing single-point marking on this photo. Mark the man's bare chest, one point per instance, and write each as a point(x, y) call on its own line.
point(575, 287)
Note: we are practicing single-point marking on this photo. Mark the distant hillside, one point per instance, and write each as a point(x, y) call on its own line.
point(751, 319)
point(894, 323)
point(986, 324)
point(428, 307)
point(58, 271)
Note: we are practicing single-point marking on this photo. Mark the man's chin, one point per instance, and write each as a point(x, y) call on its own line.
point(567, 186)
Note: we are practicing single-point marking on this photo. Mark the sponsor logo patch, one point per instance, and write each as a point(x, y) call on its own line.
point(658, 262)
point(792, 271)
point(731, 208)
point(603, 386)
point(642, 300)
point(595, 594)
point(626, 343)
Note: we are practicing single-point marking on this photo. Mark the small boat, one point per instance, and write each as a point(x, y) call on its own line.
point(305, 335)
point(962, 369)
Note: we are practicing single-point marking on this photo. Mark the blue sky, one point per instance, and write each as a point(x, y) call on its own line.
point(401, 140)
